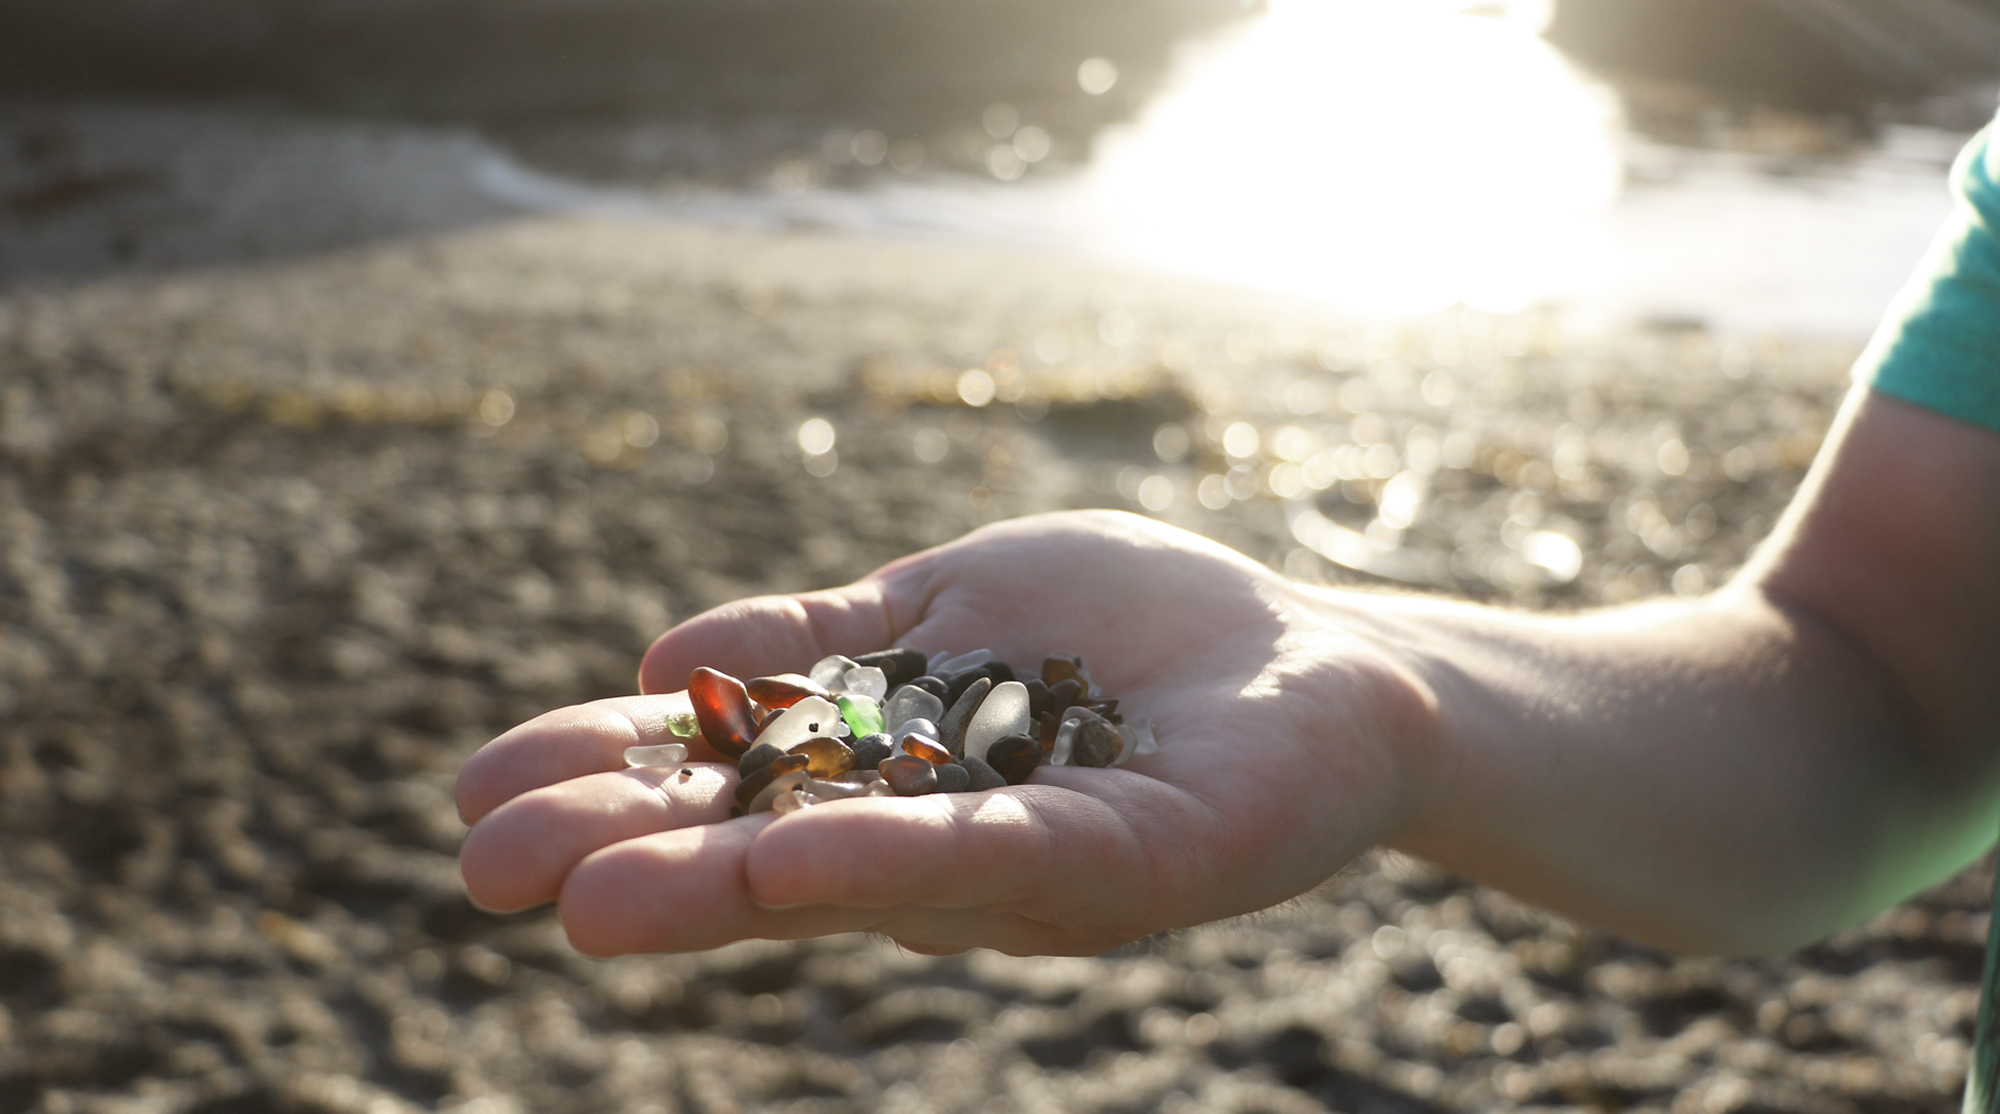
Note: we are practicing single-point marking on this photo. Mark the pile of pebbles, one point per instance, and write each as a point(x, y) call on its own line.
point(897, 723)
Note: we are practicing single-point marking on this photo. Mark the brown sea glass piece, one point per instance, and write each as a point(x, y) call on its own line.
point(925, 749)
point(722, 708)
point(1057, 668)
point(825, 758)
point(784, 690)
point(1014, 757)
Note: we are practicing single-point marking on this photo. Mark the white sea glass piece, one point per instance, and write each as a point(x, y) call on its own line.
point(665, 754)
point(813, 717)
point(840, 790)
point(781, 784)
point(922, 727)
point(962, 662)
point(1004, 712)
point(828, 671)
point(866, 680)
point(910, 703)
point(792, 800)
point(1139, 740)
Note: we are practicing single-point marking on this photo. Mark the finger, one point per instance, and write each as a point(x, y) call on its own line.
point(950, 931)
point(683, 890)
point(1045, 850)
point(566, 743)
point(779, 634)
point(517, 856)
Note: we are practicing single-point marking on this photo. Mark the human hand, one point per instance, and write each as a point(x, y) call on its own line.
point(1279, 717)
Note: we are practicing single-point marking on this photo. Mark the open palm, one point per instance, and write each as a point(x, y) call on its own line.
point(1278, 721)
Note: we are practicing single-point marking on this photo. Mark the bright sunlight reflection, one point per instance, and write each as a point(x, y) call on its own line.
point(1393, 155)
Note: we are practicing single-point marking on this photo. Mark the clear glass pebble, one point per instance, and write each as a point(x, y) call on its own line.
point(922, 727)
point(665, 754)
point(962, 662)
point(1061, 753)
point(911, 703)
point(829, 671)
point(783, 783)
point(792, 800)
point(865, 680)
point(1004, 712)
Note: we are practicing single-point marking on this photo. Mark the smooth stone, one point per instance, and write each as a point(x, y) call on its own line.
point(1038, 696)
point(1064, 695)
point(862, 714)
point(908, 703)
point(1004, 712)
point(935, 686)
point(825, 757)
point(957, 683)
point(953, 778)
point(909, 775)
point(926, 749)
point(870, 750)
point(1000, 671)
point(1060, 754)
point(957, 663)
point(722, 708)
point(756, 758)
point(1013, 758)
point(866, 680)
point(900, 665)
point(1061, 667)
point(783, 783)
point(1096, 744)
point(828, 671)
point(810, 718)
point(981, 777)
point(784, 690)
point(664, 754)
point(749, 787)
point(951, 729)
point(792, 800)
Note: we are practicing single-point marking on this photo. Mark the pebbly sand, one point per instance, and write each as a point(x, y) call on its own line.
point(318, 468)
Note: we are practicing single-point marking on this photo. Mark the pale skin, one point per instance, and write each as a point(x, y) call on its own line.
point(1740, 773)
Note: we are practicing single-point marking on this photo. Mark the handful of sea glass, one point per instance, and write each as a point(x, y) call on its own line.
point(898, 723)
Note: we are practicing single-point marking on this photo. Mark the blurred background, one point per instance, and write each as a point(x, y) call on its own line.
point(376, 374)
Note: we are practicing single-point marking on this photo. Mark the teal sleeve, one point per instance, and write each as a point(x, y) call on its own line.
point(1939, 346)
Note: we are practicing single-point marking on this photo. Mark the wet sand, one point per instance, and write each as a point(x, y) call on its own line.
point(318, 468)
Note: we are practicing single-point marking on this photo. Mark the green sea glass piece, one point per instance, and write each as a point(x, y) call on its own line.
point(862, 713)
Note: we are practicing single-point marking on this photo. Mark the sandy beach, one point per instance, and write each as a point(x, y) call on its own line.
point(319, 466)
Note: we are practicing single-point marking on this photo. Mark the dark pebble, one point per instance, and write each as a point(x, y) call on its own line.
point(749, 787)
point(980, 776)
point(999, 671)
point(1096, 744)
point(1064, 695)
point(870, 750)
point(957, 683)
point(908, 775)
point(953, 778)
point(1050, 725)
point(935, 686)
point(1013, 758)
point(901, 665)
point(955, 721)
point(1038, 697)
point(756, 758)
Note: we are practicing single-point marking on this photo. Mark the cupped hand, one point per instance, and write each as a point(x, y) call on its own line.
point(1281, 715)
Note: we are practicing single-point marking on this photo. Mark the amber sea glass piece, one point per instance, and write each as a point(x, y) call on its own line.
point(825, 758)
point(784, 690)
point(1015, 757)
point(722, 707)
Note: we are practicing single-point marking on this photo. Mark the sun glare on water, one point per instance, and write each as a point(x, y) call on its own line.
point(1392, 155)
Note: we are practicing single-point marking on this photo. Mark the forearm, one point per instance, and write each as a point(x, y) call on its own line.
point(1719, 775)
